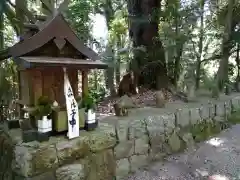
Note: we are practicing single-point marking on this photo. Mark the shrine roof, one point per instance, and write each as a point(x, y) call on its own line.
point(55, 30)
point(30, 62)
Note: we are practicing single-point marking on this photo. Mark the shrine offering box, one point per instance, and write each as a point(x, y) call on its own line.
point(60, 121)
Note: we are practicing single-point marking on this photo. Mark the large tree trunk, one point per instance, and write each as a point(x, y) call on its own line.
point(1, 31)
point(178, 49)
point(200, 44)
point(149, 65)
point(237, 60)
point(20, 14)
point(222, 74)
point(109, 75)
point(118, 61)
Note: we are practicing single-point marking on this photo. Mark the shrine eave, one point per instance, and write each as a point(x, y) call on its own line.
point(58, 29)
point(34, 62)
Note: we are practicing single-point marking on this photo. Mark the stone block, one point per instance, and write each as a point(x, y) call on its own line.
point(156, 120)
point(72, 171)
point(188, 139)
point(122, 131)
point(182, 116)
point(100, 166)
point(142, 145)
point(137, 129)
point(98, 140)
point(108, 128)
point(220, 109)
point(138, 161)
point(44, 176)
point(169, 122)
point(204, 112)
point(6, 156)
point(30, 161)
point(195, 115)
point(174, 142)
point(124, 149)
point(155, 126)
point(235, 103)
point(212, 110)
point(71, 150)
point(123, 168)
point(228, 108)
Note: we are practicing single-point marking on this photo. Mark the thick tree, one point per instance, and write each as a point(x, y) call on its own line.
point(148, 64)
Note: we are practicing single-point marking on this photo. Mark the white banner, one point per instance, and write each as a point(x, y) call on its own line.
point(72, 108)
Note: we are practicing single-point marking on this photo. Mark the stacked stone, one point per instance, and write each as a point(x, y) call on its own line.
point(152, 138)
point(85, 158)
point(112, 151)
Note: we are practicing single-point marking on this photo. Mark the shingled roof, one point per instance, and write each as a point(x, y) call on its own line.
point(55, 32)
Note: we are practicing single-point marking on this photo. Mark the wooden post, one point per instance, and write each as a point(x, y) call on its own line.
point(84, 82)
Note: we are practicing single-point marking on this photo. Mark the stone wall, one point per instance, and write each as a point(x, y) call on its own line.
point(153, 137)
point(88, 157)
point(116, 148)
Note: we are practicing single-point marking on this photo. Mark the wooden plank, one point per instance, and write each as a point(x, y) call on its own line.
point(24, 87)
point(37, 82)
point(48, 82)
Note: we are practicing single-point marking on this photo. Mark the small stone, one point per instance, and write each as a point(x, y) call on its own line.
point(174, 142)
point(160, 99)
point(101, 166)
point(73, 172)
point(188, 139)
point(68, 151)
point(30, 161)
point(98, 140)
point(142, 145)
point(123, 168)
point(124, 149)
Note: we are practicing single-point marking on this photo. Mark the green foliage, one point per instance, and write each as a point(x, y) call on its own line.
point(43, 107)
point(88, 102)
point(78, 15)
point(205, 129)
point(97, 94)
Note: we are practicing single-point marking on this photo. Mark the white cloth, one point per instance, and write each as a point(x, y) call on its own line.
point(72, 108)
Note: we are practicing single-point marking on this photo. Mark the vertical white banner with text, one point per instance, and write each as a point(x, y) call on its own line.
point(72, 108)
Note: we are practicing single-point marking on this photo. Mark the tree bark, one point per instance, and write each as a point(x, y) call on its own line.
point(109, 75)
point(237, 60)
point(200, 44)
point(178, 50)
point(20, 14)
point(1, 31)
point(149, 66)
point(118, 61)
point(222, 74)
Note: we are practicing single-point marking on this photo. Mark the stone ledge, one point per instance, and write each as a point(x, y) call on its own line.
point(113, 149)
point(160, 134)
point(34, 158)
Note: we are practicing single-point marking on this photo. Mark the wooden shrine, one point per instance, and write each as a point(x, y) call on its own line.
point(40, 55)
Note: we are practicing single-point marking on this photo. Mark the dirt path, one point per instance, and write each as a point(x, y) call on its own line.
point(219, 156)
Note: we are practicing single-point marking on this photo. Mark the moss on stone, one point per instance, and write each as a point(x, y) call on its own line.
point(207, 128)
point(235, 117)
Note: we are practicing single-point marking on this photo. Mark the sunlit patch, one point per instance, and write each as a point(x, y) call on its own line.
point(202, 172)
point(218, 177)
point(215, 142)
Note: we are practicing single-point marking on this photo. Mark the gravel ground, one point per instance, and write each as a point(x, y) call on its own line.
point(216, 159)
